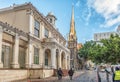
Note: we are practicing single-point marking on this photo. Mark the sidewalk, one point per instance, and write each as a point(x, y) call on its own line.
point(52, 79)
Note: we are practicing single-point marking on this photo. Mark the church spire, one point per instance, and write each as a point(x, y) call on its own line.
point(72, 33)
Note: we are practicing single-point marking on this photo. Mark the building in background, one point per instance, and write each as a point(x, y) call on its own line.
point(106, 35)
point(79, 46)
point(30, 41)
point(72, 44)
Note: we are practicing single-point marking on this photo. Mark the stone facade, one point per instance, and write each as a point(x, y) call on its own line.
point(10, 75)
point(28, 40)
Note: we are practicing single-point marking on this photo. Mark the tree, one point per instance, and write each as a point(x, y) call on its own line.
point(85, 50)
point(108, 51)
point(112, 53)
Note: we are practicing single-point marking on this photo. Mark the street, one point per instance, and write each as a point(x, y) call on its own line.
point(88, 76)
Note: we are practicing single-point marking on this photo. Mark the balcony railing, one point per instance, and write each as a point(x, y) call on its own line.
point(49, 40)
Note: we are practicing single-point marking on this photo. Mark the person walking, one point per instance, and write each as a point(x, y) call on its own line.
point(113, 73)
point(59, 73)
point(71, 72)
point(117, 74)
point(107, 74)
point(99, 78)
point(98, 75)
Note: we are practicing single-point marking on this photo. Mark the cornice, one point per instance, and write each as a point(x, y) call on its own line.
point(7, 27)
point(12, 30)
point(55, 44)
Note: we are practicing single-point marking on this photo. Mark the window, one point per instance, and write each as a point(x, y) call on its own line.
point(46, 33)
point(36, 28)
point(36, 55)
point(50, 20)
point(46, 59)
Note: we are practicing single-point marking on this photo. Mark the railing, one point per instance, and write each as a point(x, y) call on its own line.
point(49, 40)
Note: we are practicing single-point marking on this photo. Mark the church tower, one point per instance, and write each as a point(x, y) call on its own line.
point(72, 43)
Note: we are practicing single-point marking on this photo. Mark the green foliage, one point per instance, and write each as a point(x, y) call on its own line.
point(86, 49)
point(105, 51)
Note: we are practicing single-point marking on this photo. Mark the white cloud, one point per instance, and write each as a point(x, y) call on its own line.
point(88, 16)
point(77, 4)
point(111, 22)
point(109, 9)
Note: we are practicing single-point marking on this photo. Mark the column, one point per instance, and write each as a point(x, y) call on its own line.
point(59, 60)
point(30, 50)
point(1, 31)
point(65, 61)
point(53, 58)
point(15, 63)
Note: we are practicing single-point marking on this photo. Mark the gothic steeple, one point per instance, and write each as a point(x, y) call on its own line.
point(72, 43)
point(72, 33)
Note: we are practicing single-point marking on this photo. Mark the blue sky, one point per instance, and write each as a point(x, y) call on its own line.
point(91, 16)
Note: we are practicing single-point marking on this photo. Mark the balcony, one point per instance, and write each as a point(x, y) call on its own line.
point(44, 40)
point(53, 40)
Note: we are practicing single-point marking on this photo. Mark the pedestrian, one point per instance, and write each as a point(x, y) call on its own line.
point(98, 75)
point(59, 73)
point(117, 74)
point(107, 74)
point(113, 73)
point(71, 72)
point(99, 78)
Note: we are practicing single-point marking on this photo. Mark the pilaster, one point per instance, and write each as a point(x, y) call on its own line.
point(31, 21)
point(41, 57)
point(27, 58)
point(42, 30)
point(1, 31)
point(59, 60)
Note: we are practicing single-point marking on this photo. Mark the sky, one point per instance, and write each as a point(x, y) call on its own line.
point(91, 16)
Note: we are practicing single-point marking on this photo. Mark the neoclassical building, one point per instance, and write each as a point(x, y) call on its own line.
point(30, 44)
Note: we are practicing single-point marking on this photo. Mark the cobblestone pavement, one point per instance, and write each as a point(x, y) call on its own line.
point(53, 79)
point(86, 76)
point(89, 76)
point(103, 77)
